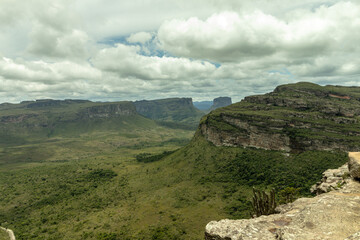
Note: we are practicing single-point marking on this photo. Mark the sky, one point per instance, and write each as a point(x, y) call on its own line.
point(118, 50)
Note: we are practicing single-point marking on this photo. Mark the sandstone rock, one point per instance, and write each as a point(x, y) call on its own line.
point(355, 236)
point(354, 164)
point(330, 216)
point(332, 179)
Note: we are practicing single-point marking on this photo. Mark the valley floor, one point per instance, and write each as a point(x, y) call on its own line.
point(103, 185)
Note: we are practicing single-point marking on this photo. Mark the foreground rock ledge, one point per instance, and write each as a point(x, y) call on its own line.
point(330, 216)
point(334, 215)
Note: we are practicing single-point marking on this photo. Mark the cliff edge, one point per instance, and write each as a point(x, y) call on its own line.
point(334, 215)
point(293, 118)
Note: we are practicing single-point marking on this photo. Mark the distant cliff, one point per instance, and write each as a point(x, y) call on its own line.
point(109, 110)
point(171, 110)
point(44, 118)
point(208, 106)
point(221, 102)
point(64, 110)
point(294, 117)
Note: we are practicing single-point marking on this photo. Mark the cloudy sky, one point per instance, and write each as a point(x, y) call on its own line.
point(147, 49)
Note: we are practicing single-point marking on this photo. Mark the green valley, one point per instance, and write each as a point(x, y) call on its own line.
point(102, 171)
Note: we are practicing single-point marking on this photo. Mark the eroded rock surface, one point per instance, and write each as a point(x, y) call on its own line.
point(333, 215)
point(354, 164)
point(333, 179)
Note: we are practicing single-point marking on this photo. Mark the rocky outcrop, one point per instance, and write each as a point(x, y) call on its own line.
point(295, 117)
point(330, 216)
point(332, 179)
point(221, 102)
point(246, 136)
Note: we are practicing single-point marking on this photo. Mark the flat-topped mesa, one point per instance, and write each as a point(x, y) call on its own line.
point(329, 216)
point(170, 110)
point(221, 102)
point(294, 117)
point(110, 110)
point(161, 108)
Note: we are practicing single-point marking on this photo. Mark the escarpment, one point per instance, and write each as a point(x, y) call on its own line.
point(294, 117)
point(221, 102)
point(180, 110)
point(30, 120)
point(109, 110)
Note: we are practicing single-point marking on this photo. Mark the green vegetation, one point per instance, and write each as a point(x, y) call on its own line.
point(148, 157)
point(263, 203)
point(93, 187)
point(89, 173)
point(309, 114)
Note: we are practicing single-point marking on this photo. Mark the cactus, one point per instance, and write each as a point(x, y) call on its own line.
point(263, 203)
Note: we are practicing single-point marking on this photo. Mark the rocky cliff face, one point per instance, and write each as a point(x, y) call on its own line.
point(221, 102)
point(295, 117)
point(52, 103)
point(330, 216)
point(46, 110)
point(171, 109)
point(109, 110)
point(42, 118)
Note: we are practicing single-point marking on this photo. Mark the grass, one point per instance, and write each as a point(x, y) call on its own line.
point(52, 189)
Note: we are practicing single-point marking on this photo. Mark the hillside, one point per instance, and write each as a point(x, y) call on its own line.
point(141, 180)
point(37, 120)
point(179, 110)
point(294, 117)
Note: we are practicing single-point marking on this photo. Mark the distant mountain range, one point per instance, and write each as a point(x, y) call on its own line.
point(31, 120)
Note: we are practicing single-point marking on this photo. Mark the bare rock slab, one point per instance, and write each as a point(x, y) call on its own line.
point(329, 216)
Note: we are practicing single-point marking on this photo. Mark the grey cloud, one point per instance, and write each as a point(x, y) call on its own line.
point(45, 47)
